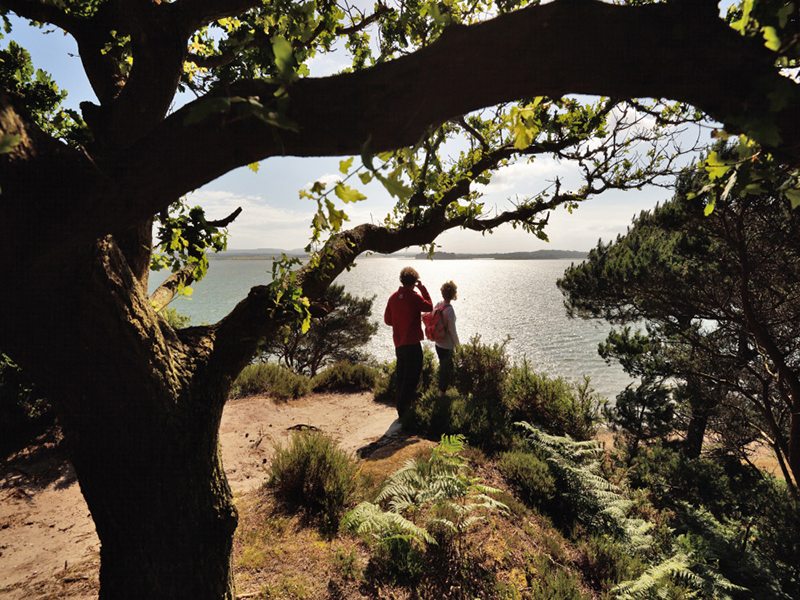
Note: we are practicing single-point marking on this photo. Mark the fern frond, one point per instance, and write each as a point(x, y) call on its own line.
point(369, 519)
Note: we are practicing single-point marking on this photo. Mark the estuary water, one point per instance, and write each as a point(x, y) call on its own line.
point(497, 299)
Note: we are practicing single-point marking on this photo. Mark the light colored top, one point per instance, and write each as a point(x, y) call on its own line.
point(450, 340)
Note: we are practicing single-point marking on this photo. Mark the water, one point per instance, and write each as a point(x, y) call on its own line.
point(496, 299)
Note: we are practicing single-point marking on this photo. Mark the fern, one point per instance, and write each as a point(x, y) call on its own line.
point(599, 504)
point(369, 519)
point(697, 579)
point(438, 485)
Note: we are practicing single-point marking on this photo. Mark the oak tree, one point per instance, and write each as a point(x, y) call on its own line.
point(140, 402)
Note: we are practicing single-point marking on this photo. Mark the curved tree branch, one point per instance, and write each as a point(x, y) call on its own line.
point(42, 13)
point(645, 51)
point(166, 292)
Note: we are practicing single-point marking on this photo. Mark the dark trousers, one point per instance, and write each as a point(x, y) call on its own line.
point(446, 368)
point(408, 371)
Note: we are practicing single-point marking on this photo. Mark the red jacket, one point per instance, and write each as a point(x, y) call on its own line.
point(403, 314)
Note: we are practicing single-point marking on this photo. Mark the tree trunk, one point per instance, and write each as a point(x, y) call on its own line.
point(696, 432)
point(701, 407)
point(140, 409)
point(160, 502)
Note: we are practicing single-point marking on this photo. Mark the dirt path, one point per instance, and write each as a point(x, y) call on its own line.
point(45, 526)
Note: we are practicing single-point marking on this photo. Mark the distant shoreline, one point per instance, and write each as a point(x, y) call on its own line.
point(275, 254)
point(537, 255)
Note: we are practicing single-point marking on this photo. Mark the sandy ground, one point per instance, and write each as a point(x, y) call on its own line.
point(45, 526)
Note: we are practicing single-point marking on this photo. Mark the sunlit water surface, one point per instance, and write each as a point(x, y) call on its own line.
point(496, 299)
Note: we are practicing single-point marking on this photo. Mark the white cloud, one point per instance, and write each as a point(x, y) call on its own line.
point(327, 179)
point(525, 178)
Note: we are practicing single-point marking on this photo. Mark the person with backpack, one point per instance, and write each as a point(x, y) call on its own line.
point(446, 337)
point(402, 313)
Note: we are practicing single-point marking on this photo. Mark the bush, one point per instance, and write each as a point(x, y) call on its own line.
point(481, 370)
point(24, 414)
point(345, 376)
point(433, 414)
point(606, 562)
point(315, 474)
point(174, 318)
point(270, 379)
point(530, 475)
point(337, 336)
point(559, 406)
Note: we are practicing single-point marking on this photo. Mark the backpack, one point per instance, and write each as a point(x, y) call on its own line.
point(435, 325)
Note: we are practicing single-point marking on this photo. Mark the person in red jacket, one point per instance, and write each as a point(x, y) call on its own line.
point(403, 314)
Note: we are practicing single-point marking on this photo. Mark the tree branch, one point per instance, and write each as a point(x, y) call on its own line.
point(166, 292)
point(43, 13)
point(198, 13)
point(394, 103)
point(645, 51)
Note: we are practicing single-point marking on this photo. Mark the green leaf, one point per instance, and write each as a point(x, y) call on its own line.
point(395, 187)
point(794, 197)
point(716, 167)
point(348, 194)
point(772, 40)
point(784, 14)
point(709, 208)
point(284, 57)
point(344, 165)
point(753, 188)
point(366, 156)
point(741, 24)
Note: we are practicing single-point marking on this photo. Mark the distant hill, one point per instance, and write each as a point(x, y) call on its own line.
point(275, 253)
point(537, 255)
point(257, 254)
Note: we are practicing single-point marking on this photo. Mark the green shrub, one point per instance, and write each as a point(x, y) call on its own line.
point(270, 379)
point(479, 411)
point(315, 474)
point(433, 415)
point(547, 581)
point(777, 535)
point(530, 475)
point(174, 318)
point(481, 370)
point(386, 386)
point(606, 562)
point(345, 376)
point(559, 406)
point(24, 414)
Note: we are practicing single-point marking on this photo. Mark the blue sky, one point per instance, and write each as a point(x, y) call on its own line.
point(275, 217)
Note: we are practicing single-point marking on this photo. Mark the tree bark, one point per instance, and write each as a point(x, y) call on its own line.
point(140, 410)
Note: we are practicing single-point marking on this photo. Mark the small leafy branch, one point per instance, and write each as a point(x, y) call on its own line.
point(287, 294)
point(330, 218)
point(748, 170)
point(184, 238)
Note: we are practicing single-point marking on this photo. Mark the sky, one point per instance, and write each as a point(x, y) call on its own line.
point(275, 217)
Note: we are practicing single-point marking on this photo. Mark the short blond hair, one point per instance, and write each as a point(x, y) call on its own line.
point(409, 276)
point(449, 291)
